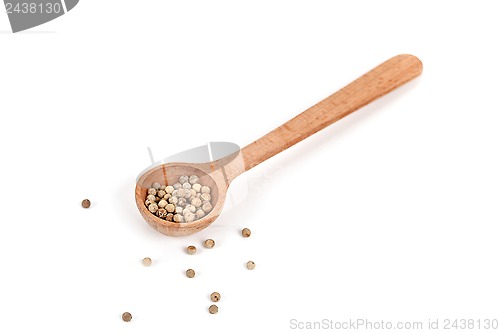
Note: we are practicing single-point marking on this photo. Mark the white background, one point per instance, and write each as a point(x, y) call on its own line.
point(391, 214)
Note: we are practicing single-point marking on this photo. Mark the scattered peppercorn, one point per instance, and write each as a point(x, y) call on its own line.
point(215, 297)
point(126, 316)
point(209, 243)
point(246, 232)
point(147, 261)
point(250, 265)
point(213, 309)
point(190, 273)
point(86, 203)
point(191, 249)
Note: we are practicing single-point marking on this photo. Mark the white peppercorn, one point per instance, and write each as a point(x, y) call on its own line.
point(209, 243)
point(163, 187)
point(193, 179)
point(183, 179)
point(187, 194)
point(205, 189)
point(245, 232)
point(186, 186)
point(181, 193)
point(205, 197)
point(126, 316)
point(215, 297)
point(193, 193)
point(170, 208)
point(200, 213)
point(169, 189)
point(156, 186)
point(196, 187)
point(148, 202)
point(161, 193)
point(173, 200)
point(191, 208)
point(178, 218)
point(190, 273)
point(213, 309)
point(198, 195)
point(181, 202)
point(177, 186)
point(162, 213)
point(151, 197)
point(147, 261)
point(152, 191)
point(207, 207)
point(162, 203)
point(169, 217)
point(250, 265)
point(189, 217)
point(191, 249)
point(153, 208)
point(196, 202)
point(167, 195)
point(178, 210)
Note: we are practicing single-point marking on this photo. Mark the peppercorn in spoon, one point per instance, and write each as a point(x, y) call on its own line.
point(219, 174)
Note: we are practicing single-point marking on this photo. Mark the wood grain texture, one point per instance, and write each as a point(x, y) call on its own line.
point(372, 85)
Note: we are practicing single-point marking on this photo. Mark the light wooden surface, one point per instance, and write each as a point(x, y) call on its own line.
point(219, 174)
point(374, 84)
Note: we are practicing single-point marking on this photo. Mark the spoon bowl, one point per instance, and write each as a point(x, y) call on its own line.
point(169, 174)
point(219, 174)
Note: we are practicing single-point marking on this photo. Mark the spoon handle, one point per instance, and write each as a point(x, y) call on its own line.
point(377, 82)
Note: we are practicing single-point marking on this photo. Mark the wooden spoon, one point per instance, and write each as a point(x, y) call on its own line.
point(219, 174)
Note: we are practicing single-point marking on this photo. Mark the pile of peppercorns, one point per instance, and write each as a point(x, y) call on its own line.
point(185, 201)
